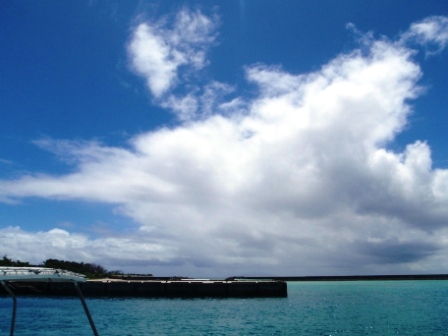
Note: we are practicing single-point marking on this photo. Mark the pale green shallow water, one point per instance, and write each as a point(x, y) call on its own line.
point(312, 308)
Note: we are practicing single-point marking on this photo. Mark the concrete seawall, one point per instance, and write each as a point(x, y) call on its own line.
point(351, 277)
point(133, 288)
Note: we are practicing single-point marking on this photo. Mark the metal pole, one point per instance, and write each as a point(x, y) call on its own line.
point(86, 309)
point(14, 299)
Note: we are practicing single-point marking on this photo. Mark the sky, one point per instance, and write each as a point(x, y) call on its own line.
point(225, 138)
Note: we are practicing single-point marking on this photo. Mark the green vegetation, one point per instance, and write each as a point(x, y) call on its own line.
point(5, 261)
point(91, 271)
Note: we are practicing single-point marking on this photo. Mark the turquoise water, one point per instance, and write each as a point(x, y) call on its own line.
point(312, 308)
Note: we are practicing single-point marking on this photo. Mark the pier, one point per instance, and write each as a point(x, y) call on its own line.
point(396, 277)
point(188, 288)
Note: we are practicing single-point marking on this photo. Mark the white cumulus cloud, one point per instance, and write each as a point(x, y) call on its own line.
point(299, 179)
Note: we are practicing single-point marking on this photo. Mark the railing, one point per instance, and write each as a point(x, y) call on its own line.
point(38, 274)
point(41, 274)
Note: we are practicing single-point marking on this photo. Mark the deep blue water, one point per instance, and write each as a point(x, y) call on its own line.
point(312, 308)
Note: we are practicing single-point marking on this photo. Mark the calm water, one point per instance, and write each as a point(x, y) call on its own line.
point(312, 308)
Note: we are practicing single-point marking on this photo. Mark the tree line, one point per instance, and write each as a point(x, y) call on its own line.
point(90, 270)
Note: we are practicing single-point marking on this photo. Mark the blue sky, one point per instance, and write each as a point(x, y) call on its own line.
point(214, 138)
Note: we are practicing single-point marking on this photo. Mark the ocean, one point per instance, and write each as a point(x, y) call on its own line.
point(311, 308)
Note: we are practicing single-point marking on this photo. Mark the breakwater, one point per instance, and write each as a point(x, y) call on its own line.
point(135, 288)
point(350, 277)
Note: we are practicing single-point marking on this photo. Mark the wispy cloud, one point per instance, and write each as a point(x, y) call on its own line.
point(431, 32)
point(299, 179)
point(158, 52)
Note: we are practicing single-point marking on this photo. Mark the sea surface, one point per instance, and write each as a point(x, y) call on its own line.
point(311, 308)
